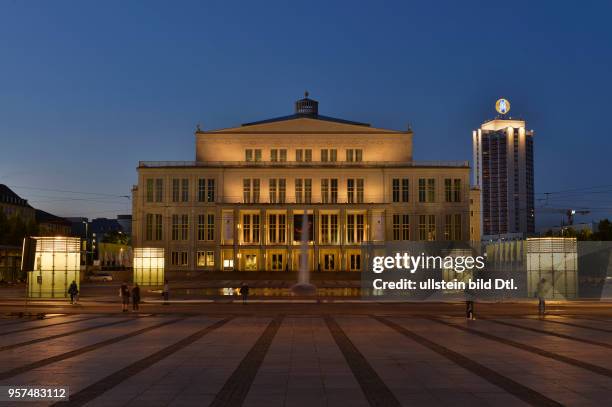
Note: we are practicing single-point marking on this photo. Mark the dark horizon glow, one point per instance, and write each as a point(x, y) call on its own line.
point(89, 89)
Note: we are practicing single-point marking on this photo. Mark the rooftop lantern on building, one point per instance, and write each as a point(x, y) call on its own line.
point(307, 106)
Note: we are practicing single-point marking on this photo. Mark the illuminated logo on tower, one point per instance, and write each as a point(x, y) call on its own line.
point(502, 106)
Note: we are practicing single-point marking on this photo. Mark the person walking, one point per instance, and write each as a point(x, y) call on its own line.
point(73, 290)
point(244, 291)
point(541, 294)
point(124, 293)
point(166, 292)
point(135, 297)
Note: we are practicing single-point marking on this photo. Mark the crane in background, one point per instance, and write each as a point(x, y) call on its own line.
point(569, 213)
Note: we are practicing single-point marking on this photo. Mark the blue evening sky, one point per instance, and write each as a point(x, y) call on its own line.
point(88, 88)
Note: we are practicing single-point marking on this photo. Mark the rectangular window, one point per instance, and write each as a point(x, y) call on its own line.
point(255, 197)
point(457, 190)
point(257, 153)
point(150, 190)
point(333, 155)
point(250, 190)
point(206, 227)
point(405, 189)
point(355, 228)
point(396, 227)
point(452, 190)
point(355, 262)
point(180, 227)
point(325, 190)
point(175, 227)
point(277, 189)
point(206, 190)
point(159, 190)
point(395, 190)
point(149, 227)
point(298, 190)
point(299, 155)
point(354, 190)
point(210, 190)
point(206, 258)
point(250, 228)
point(248, 155)
point(350, 155)
point(185, 190)
point(329, 228)
point(176, 189)
point(358, 155)
point(427, 227)
point(273, 189)
point(184, 227)
point(405, 227)
point(334, 190)
point(158, 227)
point(274, 155)
point(282, 190)
point(452, 227)
point(184, 259)
point(210, 227)
point(427, 190)
point(401, 227)
point(283, 155)
point(307, 190)
point(277, 262)
point(277, 224)
point(308, 155)
point(324, 155)
point(201, 190)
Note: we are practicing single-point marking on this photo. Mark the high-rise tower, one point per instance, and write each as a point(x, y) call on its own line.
point(503, 170)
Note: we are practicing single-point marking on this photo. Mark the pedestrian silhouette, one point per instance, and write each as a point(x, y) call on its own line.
point(244, 291)
point(73, 290)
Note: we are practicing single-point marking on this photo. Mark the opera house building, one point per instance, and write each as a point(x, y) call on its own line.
point(259, 194)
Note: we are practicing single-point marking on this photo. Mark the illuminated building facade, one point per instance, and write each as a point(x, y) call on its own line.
point(240, 205)
point(503, 170)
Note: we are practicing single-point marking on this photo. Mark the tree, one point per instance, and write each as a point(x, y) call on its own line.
point(116, 237)
point(604, 230)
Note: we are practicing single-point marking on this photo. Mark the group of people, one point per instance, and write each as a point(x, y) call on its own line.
point(125, 292)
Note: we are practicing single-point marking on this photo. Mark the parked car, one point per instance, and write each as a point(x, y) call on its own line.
point(101, 277)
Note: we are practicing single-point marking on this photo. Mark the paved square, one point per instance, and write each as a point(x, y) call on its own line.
point(176, 359)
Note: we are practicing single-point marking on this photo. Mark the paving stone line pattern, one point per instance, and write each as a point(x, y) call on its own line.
point(76, 331)
point(91, 392)
point(575, 325)
point(234, 391)
point(22, 369)
point(545, 332)
point(526, 394)
point(72, 321)
point(565, 359)
point(375, 390)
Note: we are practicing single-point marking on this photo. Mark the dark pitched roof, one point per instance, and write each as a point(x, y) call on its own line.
point(306, 116)
point(46, 217)
point(306, 108)
point(8, 196)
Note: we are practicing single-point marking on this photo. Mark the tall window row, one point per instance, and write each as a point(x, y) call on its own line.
point(154, 190)
point(304, 155)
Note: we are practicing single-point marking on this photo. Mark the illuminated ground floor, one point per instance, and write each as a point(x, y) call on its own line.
point(270, 258)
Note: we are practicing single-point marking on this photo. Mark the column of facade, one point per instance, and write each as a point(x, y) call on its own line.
point(342, 230)
point(315, 239)
point(236, 239)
